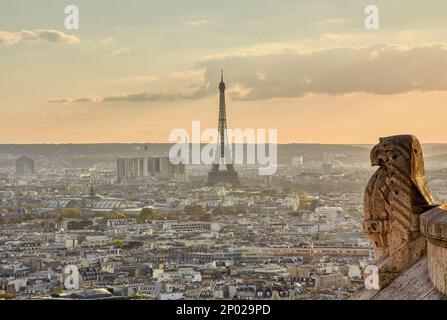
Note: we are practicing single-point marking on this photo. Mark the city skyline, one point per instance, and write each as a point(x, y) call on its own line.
point(133, 72)
point(222, 152)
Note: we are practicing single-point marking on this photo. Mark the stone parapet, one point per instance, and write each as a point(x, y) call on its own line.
point(433, 225)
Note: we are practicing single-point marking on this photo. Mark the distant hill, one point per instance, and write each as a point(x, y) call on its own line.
point(438, 158)
point(86, 155)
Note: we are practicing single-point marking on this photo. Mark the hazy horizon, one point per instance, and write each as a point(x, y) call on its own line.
point(171, 143)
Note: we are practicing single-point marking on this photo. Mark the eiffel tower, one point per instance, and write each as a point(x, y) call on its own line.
point(223, 154)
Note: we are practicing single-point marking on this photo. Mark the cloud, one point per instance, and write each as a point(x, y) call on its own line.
point(136, 79)
point(261, 76)
point(117, 52)
point(56, 36)
point(195, 75)
point(8, 39)
point(60, 100)
point(91, 99)
point(239, 90)
point(197, 93)
point(197, 23)
point(331, 22)
point(190, 75)
point(334, 37)
point(258, 50)
point(11, 38)
point(106, 41)
point(379, 69)
point(161, 96)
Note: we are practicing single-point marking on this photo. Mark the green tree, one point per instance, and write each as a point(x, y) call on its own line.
point(72, 213)
point(56, 291)
point(117, 243)
point(146, 214)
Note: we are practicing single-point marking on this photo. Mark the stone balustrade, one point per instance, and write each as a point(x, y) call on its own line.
point(433, 225)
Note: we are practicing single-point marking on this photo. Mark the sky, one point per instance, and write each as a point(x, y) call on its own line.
point(136, 70)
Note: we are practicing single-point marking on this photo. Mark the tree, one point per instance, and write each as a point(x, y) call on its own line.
point(117, 243)
point(6, 296)
point(304, 199)
point(100, 215)
point(146, 214)
point(72, 213)
point(72, 204)
point(56, 291)
point(207, 217)
point(303, 195)
point(114, 214)
point(195, 212)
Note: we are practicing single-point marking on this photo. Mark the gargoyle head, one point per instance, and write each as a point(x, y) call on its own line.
point(401, 156)
point(402, 149)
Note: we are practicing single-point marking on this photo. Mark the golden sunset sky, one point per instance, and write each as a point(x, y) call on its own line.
point(135, 70)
